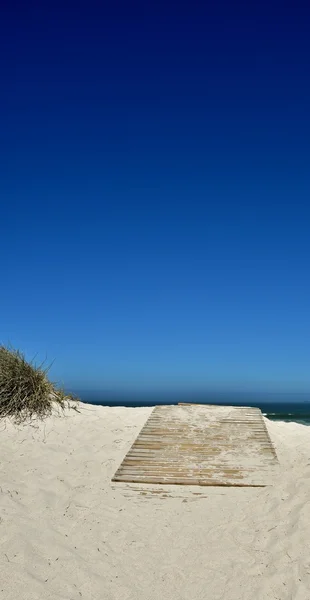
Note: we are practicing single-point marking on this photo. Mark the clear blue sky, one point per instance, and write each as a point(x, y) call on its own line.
point(155, 220)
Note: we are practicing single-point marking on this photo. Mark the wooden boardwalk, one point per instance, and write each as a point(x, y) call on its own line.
point(201, 445)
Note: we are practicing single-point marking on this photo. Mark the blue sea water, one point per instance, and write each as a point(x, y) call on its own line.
point(275, 407)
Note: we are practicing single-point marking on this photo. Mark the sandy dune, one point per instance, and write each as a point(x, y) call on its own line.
point(67, 532)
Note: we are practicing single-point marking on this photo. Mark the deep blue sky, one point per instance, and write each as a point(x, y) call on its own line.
point(155, 188)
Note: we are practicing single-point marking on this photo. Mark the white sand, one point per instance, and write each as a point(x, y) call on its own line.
point(67, 532)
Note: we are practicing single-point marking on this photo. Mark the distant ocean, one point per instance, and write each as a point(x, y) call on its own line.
point(275, 407)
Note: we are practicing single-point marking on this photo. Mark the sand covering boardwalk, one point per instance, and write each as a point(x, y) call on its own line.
point(201, 445)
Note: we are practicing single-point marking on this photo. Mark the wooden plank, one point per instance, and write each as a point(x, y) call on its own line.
point(191, 444)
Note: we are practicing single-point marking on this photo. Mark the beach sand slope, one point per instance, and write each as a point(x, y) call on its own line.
point(68, 533)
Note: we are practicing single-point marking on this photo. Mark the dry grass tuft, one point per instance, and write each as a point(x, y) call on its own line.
point(25, 390)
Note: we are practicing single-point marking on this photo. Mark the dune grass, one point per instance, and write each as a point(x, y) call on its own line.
point(25, 390)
